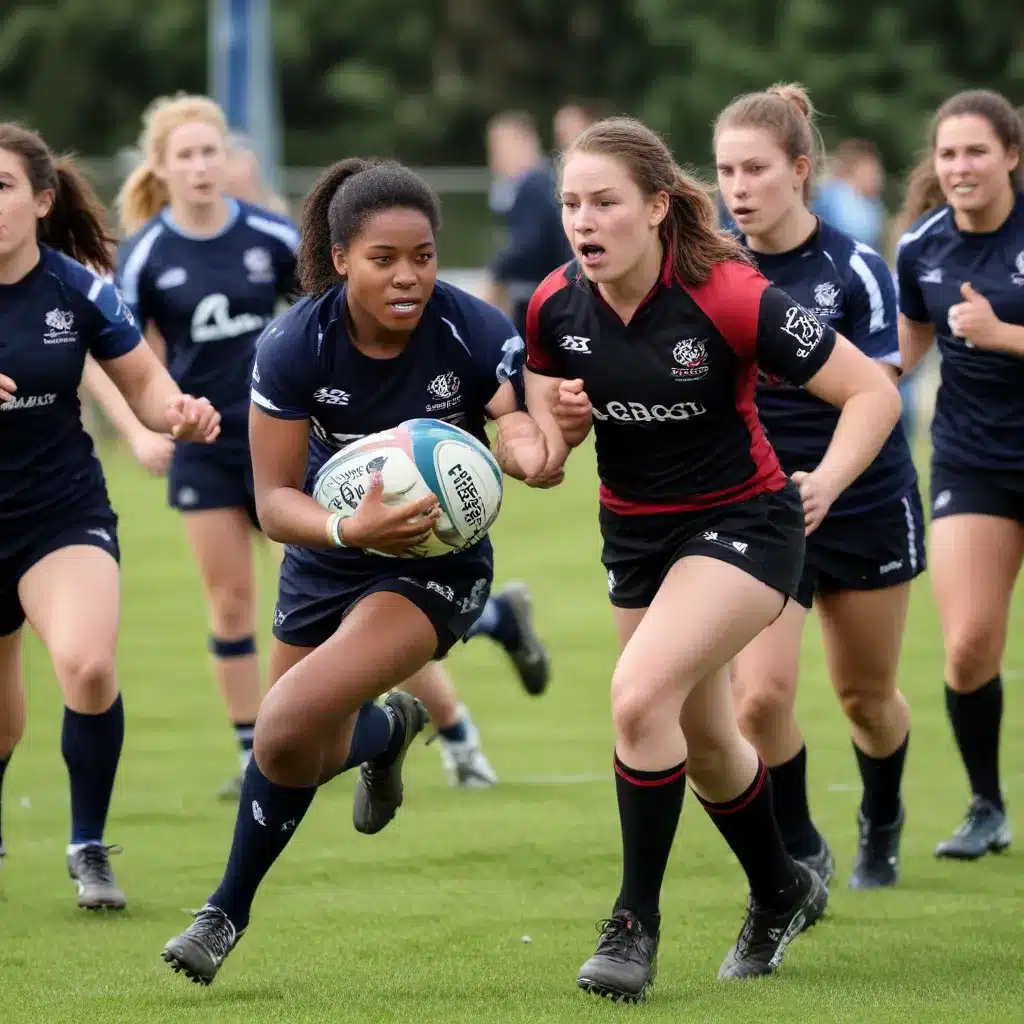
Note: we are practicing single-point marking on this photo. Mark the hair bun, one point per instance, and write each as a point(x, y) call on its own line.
point(795, 94)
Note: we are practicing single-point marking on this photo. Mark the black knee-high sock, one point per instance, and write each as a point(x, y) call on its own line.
point(748, 825)
point(91, 745)
point(881, 777)
point(976, 718)
point(649, 807)
point(268, 815)
point(4, 762)
point(789, 799)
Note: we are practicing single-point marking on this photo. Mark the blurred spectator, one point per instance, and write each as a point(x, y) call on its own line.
point(570, 119)
point(245, 177)
point(523, 195)
point(851, 199)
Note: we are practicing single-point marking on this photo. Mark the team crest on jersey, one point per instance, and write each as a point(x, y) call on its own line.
point(60, 322)
point(805, 328)
point(1018, 278)
point(692, 357)
point(259, 265)
point(826, 295)
point(445, 389)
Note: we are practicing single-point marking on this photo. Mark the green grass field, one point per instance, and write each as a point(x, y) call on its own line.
point(425, 922)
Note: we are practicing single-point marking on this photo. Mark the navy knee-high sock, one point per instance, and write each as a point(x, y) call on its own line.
point(377, 731)
point(91, 745)
point(268, 815)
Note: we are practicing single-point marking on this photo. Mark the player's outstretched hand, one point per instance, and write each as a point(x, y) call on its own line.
point(573, 412)
point(153, 452)
point(392, 529)
point(7, 388)
point(193, 419)
point(817, 495)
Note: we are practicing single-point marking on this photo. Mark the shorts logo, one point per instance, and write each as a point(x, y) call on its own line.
point(259, 265)
point(327, 396)
point(714, 537)
point(611, 581)
point(942, 499)
point(826, 295)
point(636, 412)
point(279, 617)
point(60, 322)
point(574, 343)
point(188, 496)
point(692, 357)
point(102, 534)
point(805, 328)
point(1018, 263)
point(474, 601)
point(448, 593)
point(890, 567)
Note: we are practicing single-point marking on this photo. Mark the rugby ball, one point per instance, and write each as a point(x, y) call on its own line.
point(417, 458)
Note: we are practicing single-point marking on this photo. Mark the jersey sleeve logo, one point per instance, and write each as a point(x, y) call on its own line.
point(331, 396)
point(59, 322)
point(692, 356)
point(804, 328)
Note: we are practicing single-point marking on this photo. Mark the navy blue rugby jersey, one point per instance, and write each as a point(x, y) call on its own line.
point(211, 297)
point(979, 410)
point(50, 319)
point(849, 286)
point(307, 368)
point(675, 424)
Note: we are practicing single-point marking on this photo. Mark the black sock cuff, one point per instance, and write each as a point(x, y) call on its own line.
point(898, 752)
point(115, 708)
point(741, 802)
point(994, 685)
point(659, 778)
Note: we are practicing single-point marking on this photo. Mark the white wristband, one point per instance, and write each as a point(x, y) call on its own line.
point(334, 530)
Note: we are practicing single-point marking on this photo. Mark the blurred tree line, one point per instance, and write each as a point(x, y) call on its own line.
point(419, 80)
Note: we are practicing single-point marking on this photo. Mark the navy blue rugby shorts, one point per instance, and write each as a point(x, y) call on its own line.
point(959, 490)
point(24, 545)
point(871, 550)
point(212, 476)
point(316, 591)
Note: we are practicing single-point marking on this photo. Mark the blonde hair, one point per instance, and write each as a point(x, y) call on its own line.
point(143, 194)
point(785, 110)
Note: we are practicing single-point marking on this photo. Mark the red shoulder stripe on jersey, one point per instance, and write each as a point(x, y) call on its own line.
point(539, 357)
point(731, 299)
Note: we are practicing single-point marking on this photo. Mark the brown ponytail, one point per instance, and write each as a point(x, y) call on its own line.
point(690, 230)
point(76, 224)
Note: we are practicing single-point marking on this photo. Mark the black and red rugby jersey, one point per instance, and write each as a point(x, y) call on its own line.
point(675, 423)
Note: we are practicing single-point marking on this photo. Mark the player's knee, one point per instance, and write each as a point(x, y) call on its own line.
point(231, 609)
point(867, 708)
point(87, 676)
point(708, 755)
point(972, 657)
point(637, 718)
point(284, 750)
point(761, 702)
